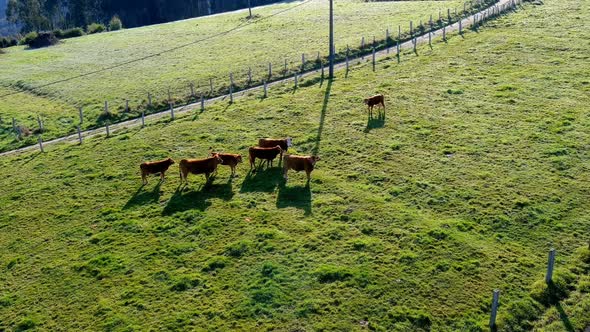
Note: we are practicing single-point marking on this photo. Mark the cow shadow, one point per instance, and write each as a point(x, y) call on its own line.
point(263, 180)
point(144, 197)
point(298, 197)
point(375, 122)
point(186, 198)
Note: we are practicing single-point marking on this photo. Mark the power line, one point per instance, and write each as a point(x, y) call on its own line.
point(122, 64)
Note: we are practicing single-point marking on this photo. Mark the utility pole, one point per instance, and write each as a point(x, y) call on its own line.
point(331, 70)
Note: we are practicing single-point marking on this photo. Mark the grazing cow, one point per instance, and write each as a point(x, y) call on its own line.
point(298, 164)
point(375, 101)
point(199, 166)
point(268, 154)
point(284, 143)
point(155, 167)
point(229, 159)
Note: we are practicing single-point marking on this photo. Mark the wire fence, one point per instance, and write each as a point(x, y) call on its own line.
point(260, 75)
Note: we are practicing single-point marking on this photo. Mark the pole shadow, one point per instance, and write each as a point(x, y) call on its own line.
point(185, 198)
point(374, 123)
point(298, 197)
point(564, 318)
point(318, 139)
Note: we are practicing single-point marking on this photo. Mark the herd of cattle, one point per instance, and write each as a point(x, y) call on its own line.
point(267, 150)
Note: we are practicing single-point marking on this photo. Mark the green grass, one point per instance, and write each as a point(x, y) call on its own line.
point(408, 223)
point(254, 44)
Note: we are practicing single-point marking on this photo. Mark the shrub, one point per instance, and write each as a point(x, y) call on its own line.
point(72, 33)
point(115, 23)
point(43, 39)
point(215, 263)
point(28, 38)
point(95, 28)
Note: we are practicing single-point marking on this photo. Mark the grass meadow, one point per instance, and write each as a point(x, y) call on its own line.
point(220, 44)
point(480, 165)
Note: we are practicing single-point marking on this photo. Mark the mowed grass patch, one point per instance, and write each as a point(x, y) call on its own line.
point(408, 224)
point(196, 50)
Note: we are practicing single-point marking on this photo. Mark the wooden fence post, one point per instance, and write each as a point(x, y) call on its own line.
point(149, 100)
point(108, 131)
point(295, 79)
point(449, 14)
point(79, 135)
point(430, 21)
point(142, 119)
point(210, 87)
point(285, 69)
point(322, 69)
point(302, 62)
point(495, 303)
point(460, 27)
point(249, 75)
point(231, 94)
point(192, 90)
point(411, 29)
point(415, 42)
point(169, 96)
point(106, 107)
point(81, 114)
point(550, 265)
point(445, 33)
point(40, 140)
point(265, 88)
point(126, 105)
point(269, 70)
point(373, 58)
point(202, 103)
point(398, 52)
point(387, 45)
point(40, 123)
point(171, 110)
point(430, 39)
point(399, 32)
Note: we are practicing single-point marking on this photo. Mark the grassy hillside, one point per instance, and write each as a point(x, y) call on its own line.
point(480, 166)
point(226, 43)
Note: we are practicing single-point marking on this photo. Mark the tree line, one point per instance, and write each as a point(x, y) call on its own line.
point(41, 15)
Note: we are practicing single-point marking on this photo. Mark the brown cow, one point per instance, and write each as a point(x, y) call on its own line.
point(375, 101)
point(229, 159)
point(284, 143)
point(198, 166)
point(298, 164)
point(155, 167)
point(268, 154)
